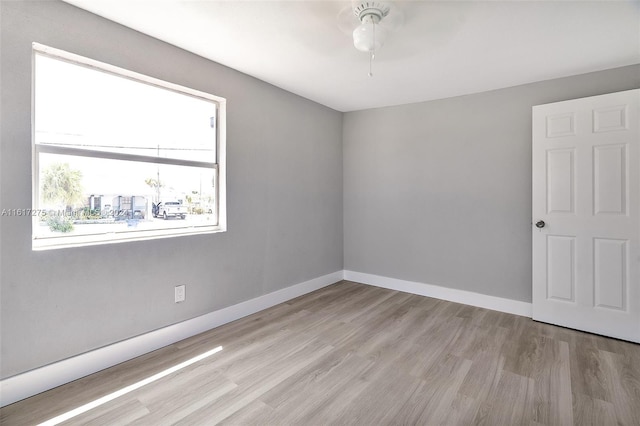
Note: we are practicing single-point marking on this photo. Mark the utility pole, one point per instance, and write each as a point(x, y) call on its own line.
point(158, 179)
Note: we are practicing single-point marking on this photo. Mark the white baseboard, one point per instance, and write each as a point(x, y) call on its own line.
point(453, 295)
point(32, 382)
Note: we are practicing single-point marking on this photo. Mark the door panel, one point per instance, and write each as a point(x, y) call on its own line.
point(610, 272)
point(561, 265)
point(610, 119)
point(610, 179)
point(560, 179)
point(586, 189)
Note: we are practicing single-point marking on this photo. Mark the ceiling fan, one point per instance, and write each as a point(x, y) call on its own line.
point(370, 22)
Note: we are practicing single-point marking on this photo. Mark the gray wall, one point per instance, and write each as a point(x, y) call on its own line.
point(284, 202)
point(440, 192)
point(437, 192)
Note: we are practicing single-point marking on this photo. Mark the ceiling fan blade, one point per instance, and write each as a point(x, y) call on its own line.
point(394, 20)
point(347, 20)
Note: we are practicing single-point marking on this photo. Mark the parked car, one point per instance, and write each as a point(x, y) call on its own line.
point(169, 209)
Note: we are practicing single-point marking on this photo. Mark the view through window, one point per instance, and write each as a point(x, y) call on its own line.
point(121, 156)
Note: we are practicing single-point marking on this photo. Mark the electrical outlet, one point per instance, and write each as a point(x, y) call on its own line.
point(180, 293)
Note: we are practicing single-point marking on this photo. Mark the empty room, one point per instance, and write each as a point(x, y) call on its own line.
point(319, 212)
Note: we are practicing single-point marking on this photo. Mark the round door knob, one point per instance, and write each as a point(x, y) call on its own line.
point(540, 224)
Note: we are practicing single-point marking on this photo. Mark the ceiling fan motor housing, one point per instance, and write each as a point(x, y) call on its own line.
point(369, 36)
point(370, 10)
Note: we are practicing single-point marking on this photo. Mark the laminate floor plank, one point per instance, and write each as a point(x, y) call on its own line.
point(509, 403)
point(117, 411)
point(430, 347)
point(473, 341)
point(333, 296)
point(351, 354)
point(209, 389)
point(593, 412)
point(626, 392)
point(256, 413)
point(587, 370)
point(324, 376)
point(322, 389)
point(552, 378)
point(484, 375)
point(434, 401)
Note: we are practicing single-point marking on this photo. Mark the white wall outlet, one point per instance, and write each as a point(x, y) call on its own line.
point(180, 293)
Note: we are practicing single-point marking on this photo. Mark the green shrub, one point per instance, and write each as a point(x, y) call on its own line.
point(60, 223)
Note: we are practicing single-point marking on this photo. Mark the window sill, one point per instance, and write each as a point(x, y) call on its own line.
point(50, 243)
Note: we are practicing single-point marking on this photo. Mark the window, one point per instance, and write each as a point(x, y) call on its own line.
point(120, 156)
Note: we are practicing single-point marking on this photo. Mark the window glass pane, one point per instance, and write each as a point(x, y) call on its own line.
point(84, 196)
point(120, 156)
point(81, 107)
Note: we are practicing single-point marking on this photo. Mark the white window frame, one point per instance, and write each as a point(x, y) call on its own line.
point(219, 166)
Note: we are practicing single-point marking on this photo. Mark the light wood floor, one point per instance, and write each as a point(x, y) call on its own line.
point(355, 354)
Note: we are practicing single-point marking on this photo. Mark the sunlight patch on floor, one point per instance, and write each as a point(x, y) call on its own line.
point(110, 397)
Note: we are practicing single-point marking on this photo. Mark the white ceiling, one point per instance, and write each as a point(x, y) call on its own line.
point(444, 48)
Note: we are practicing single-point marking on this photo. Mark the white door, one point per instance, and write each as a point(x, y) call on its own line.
point(586, 214)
